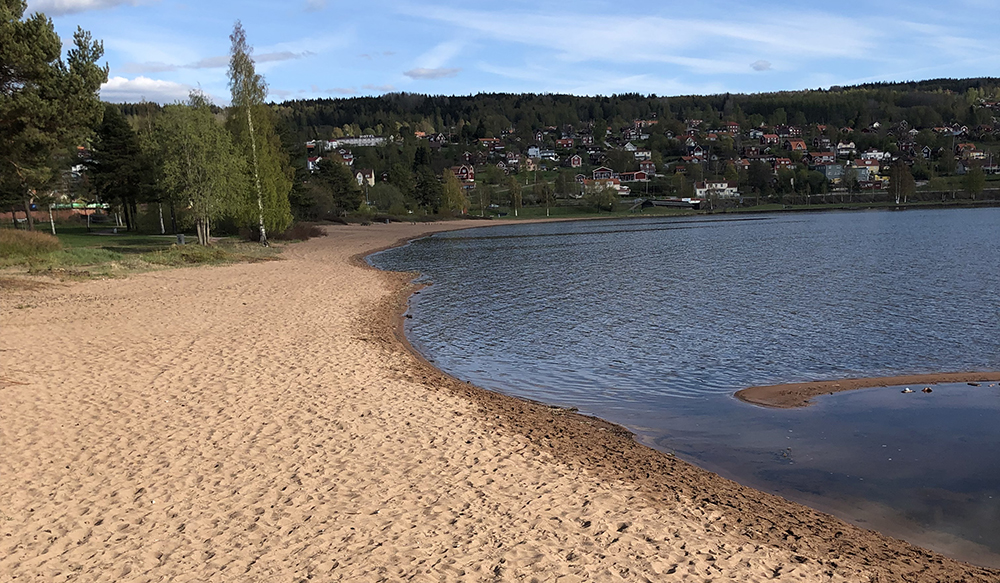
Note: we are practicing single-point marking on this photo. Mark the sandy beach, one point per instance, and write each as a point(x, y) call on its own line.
point(266, 422)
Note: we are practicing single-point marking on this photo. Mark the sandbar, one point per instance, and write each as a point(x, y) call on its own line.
point(791, 395)
point(265, 422)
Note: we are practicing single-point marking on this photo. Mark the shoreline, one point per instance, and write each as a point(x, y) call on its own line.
point(616, 440)
point(794, 395)
point(267, 421)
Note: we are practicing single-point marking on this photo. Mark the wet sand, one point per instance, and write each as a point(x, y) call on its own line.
point(793, 395)
point(266, 422)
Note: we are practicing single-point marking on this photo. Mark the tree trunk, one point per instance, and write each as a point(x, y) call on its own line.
point(163, 231)
point(256, 178)
point(173, 219)
point(27, 213)
point(52, 222)
point(128, 214)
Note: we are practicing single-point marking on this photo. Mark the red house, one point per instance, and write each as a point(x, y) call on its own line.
point(464, 172)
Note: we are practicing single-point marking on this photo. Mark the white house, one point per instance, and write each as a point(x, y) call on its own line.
point(718, 189)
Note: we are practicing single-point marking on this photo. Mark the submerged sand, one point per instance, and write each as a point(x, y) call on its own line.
point(791, 395)
point(264, 422)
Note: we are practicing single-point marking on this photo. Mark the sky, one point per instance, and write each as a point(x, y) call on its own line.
point(159, 50)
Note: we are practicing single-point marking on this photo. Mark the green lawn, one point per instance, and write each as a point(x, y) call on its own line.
point(74, 237)
point(103, 253)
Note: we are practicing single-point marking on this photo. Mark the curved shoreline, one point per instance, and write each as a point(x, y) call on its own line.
point(794, 395)
point(612, 451)
point(266, 422)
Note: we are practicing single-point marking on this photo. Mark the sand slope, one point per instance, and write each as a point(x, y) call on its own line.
point(262, 423)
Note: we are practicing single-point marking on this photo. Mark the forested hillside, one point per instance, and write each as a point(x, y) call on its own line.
point(921, 104)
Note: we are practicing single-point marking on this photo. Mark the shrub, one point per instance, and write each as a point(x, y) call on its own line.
point(15, 243)
point(300, 232)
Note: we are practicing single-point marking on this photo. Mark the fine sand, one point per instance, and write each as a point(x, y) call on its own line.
point(792, 395)
point(263, 422)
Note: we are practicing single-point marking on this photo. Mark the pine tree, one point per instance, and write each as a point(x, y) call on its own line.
point(47, 105)
point(116, 164)
point(252, 125)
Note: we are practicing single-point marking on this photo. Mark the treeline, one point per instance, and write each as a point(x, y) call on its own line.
point(921, 104)
point(218, 165)
point(204, 164)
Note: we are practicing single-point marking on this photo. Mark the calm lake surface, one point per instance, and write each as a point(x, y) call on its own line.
point(655, 323)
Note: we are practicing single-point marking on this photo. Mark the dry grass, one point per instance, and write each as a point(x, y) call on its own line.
point(26, 244)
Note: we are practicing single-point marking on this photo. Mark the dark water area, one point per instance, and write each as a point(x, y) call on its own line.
point(655, 323)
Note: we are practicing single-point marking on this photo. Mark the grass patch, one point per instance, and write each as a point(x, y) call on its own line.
point(26, 244)
point(78, 254)
point(221, 253)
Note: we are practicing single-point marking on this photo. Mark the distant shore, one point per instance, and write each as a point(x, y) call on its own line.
point(791, 395)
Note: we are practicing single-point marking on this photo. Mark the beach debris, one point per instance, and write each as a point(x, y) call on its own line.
point(907, 390)
point(927, 390)
point(973, 384)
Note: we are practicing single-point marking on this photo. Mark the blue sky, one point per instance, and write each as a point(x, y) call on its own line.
point(160, 49)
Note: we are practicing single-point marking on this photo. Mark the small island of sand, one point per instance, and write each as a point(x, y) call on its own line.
point(263, 422)
point(792, 395)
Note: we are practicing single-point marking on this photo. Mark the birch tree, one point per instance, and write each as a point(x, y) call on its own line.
point(252, 125)
point(453, 197)
point(200, 164)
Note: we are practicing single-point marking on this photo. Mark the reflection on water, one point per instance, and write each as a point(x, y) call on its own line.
point(655, 323)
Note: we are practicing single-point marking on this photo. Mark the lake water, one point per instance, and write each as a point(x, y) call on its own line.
point(655, 323)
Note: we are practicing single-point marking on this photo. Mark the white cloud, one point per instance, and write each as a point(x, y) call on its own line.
point(596, 81)
point(121, 89)
point(576, 38)
point(342, 90)
point(761, 65)
point(60, 7)
point(217, 62)
point(438, 56)
point(379, 88)
point(315, 5)
point(425, 73)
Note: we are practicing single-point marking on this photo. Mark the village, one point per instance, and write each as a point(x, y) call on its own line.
point(725, 164)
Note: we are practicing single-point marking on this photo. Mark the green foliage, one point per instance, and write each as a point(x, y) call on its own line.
point(974, 181)
point(514, 189)
point(334, 191)
point(201, 166)
point(453, 198)
point(118, 168)
point(47, 105)
point(901, 183)
point(252, 125)
point(388, 198)
point(602, 199)
point(428, 192)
